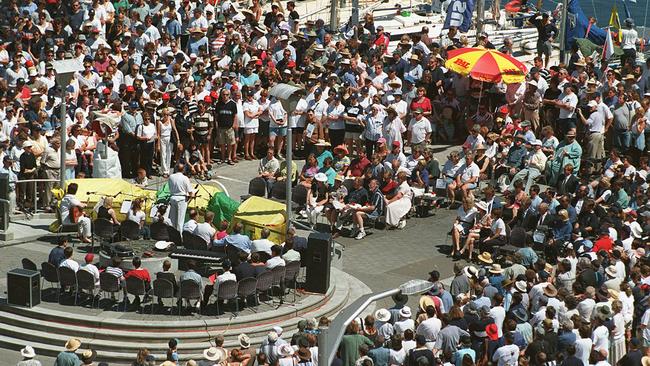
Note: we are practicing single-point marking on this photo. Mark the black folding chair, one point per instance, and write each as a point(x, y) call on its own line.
point(28, 264)
point(189, 290)
point(50, 274)
point(278, 280)
point(162, 289)
point(264, 284)
point(246, 288)
point(279, 190)
point(68, 278)
point(174, 236)
point(291, 277)
point(130, 230)
point(195, 242)
point(227, 290)
point(257, 187)
point(136, 287)
point(159, 231)
point(104, 230)
point(110, 283)
point(86, 282)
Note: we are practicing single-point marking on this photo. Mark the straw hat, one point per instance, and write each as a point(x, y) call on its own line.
point(611, 271)
point(550, 290)
point(481, 205)
point(496, 268)
point(485, 257)
point(72, 344)
point(28, 352)
point(521, 286)
point(322, 142)
point(382, 315)
point(426, 301)
point(405, 312)
point(321, 177)
point(285, 350)
point(244, 341)
point(214, 354)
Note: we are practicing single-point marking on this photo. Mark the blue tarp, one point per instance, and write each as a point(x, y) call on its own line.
point(578, 28)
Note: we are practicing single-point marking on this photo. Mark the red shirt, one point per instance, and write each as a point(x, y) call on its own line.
point(140, 273)
point(358, 166)
point(425, 104)
point(605, 243)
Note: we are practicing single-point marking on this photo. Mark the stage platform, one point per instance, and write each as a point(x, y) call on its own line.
point(117, 335)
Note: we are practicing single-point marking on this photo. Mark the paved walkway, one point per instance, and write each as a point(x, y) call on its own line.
point(384, 259)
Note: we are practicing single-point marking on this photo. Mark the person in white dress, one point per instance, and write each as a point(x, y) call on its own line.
point(465, 220)
point(252, 112)
point(166, 126)
point(393, 128)
point(399, 205)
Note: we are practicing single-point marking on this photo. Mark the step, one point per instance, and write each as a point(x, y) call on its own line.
point(47, 336)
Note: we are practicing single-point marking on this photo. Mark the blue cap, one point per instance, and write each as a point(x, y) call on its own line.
point(133, 104)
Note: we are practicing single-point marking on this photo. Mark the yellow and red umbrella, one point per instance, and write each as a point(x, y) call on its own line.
point(486, 65)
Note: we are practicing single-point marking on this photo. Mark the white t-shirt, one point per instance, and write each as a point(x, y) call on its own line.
point(500, 225)
point(498, 313)
point(429, 329)
point(583, 349)
point(148, 131)
point(419, 130)
point(629, 38)
point(335, 116)
point(506, 355)
point(572, 100)
point(138, 217)
point(70, 263)
point(468, 172)
point(600, 337)
point(277, 113)
point(645, 320)
point(251, 107)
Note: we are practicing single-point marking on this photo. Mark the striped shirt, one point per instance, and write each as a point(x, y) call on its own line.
point(545, 74)
point(217, 43)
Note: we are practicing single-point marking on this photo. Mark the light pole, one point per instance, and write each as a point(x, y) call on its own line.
point(65, 70)
point(329, 338)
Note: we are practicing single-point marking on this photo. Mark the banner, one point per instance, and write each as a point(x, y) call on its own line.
point(459, 14)
point(608, 47)
point(577, 24)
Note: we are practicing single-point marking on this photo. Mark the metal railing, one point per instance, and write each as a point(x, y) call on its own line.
point(22, 183)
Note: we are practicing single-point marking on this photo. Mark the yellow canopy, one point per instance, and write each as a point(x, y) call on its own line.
point(257, 213)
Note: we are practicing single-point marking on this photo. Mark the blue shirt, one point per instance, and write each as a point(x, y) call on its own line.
point(528, 256)
point(56, 256)
point(173, 27)
point(194, 44)
point(460, 354)
point(324, 155)
point(239, 241)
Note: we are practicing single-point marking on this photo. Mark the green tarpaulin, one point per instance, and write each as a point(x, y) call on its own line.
point(209, 198)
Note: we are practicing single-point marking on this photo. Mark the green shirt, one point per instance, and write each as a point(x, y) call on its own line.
point(67, 359)
point(349, 348)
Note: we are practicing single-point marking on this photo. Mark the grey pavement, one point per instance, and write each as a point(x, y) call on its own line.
point(383, 260)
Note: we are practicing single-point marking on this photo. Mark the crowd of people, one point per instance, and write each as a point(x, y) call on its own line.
point(178, 88)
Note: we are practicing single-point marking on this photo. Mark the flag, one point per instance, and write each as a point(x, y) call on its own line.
point(459, 14)
point(615, 22)
point(627, 10)
point(608, 46)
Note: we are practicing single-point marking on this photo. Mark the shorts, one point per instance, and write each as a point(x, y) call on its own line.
point(545, 48)
point(471, 185)
point(201, 139)
point(226, 136)
point(264, 128)
point(372, 215)
point(352, 135)
point(277, 131)
point(251, 130)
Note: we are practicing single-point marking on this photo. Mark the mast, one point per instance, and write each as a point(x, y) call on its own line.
point(565, 10)
point(480, 15)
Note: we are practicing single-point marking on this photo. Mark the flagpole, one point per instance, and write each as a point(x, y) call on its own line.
point(565, 10)
point(645, 18)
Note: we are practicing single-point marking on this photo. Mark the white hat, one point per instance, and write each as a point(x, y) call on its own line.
point(272, 336)
point(285, 350)
point(592, 103)
point(278, 330)
point(28, 352)
point(382, 315)
point(162, 245)
point(642, 174)
point(28, 143)
point(521, 286)
point(321, 177)
point(536, 142)
point(482, 205)
point(533, 83)
point(128, 34)
point(33, 72)
point(284, 37)
point(244, 340)
point(611, 271)
point(405, 312)
point(214, 354)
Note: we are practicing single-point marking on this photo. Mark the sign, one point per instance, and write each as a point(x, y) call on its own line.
point(459, 14)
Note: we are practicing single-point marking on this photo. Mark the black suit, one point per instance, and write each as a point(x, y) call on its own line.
point(570, 186)
point(526, 219)
point(244, 270)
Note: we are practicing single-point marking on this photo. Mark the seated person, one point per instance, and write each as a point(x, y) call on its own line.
point(420, 176)
point(516, 197)
point(137, 215)
point(341, 161)
point(357, 197)
point(141, 179)
point(139, 273)
point(288, 253)
point(373, 210)
point(465, 220)
point(400, 204)
point(68, 262)
point(167, 274)
point(317, 197)
point(226, 275)
point(276, 258)
point(263, 245)
point(258, 265)
point(244, 269)
point(106, 211)
point(451, 167)
point(71, 211)
point(268, 168)
point(115, 269)
point(310, 168)
point(358, 164)
point(90, 267)
point(206, 230)
point(514, 159)
point(161, 215)
point(190, 225)
point(466, 179)
point(195, 161)
point(57, 255)
point(193, 276)
point(413, 159)
point(236, 239)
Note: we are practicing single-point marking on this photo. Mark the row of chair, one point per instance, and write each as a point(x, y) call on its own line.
point(164, 286)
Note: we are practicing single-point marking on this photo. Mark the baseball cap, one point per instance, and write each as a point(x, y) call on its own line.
point(396, 143)
point(130, 88)
point(89, 257)
point(207, 99)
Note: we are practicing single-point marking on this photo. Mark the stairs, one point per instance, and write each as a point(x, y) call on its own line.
point(117, 336)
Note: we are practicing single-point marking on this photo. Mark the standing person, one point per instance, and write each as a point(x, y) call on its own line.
point(146, 136)
point(566, 103)
point(203, 126)
point(166, 126)
point(127, 142)
point(546, 34)
point(595, 123)
point(181, 192)
point(7, 164)
point(27, 171)
point(277, 126)
point(70, 160)
point(227, 123)
point(28, 355)
point(628, 43)
point(252, 112)
point(50, 168)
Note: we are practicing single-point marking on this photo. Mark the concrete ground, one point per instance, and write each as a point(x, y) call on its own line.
point(383, 260)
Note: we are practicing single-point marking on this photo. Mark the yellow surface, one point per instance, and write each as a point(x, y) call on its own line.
point(486, 65)
point(93, 190)
point(257, 213)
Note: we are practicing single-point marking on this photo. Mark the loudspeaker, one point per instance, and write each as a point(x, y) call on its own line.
point(23, 287)
point(317, 259)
